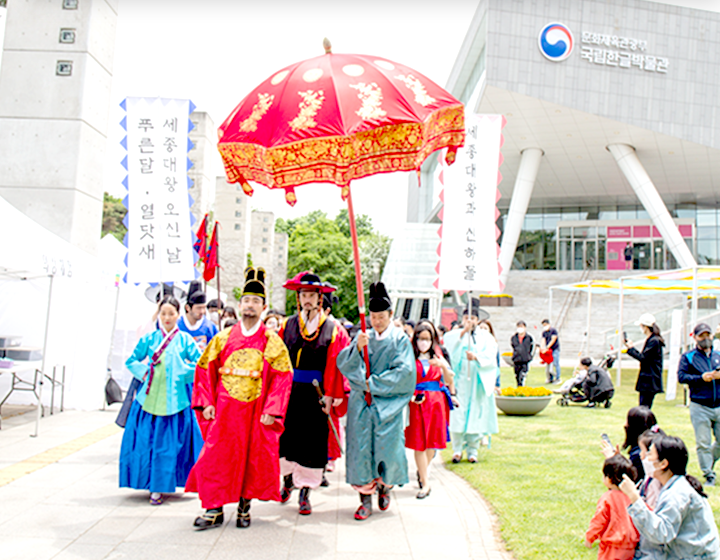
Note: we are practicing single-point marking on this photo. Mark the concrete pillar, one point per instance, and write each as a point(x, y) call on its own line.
point(640, 181)
point(522, 191)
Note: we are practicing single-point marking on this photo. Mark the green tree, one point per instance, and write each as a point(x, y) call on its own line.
point(113, 215)
point(324, 246)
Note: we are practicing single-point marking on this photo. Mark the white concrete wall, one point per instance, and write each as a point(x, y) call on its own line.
point(53, 129)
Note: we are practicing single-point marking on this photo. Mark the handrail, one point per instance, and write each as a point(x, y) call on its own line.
point(571, 297)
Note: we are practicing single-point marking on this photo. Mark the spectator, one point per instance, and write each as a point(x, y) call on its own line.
point(628, 254)
point(650, 487)
point(649, 382)
point(639, 420)
point(409, 328)
point(214, 312)
point(195, 322)
point(551, 342)
point(229, 317)
point(273, 321)
point(611, 524)
point(698, 369)
point(682, 527)
point(523, 345)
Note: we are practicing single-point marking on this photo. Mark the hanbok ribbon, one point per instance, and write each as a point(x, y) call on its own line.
point(429, 386)
point(155, 358)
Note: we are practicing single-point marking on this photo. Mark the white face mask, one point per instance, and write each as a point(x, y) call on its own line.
point(521, 330)
point(648, 467)
point(424, 345)
point(214, 317)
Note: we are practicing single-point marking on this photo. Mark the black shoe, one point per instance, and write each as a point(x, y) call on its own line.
point(424, 493)
point(456, 459)
point(418, 479)
point(286, 489)
point(305, 507)
point(243, 514)
point(324, 482)
point(383, 497)
point(211, 518)
point(365, 509)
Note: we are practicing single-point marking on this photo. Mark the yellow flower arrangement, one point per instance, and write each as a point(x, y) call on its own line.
point(525, 392)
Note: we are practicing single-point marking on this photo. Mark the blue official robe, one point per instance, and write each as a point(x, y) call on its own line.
point(474, 382)
point(375, 436)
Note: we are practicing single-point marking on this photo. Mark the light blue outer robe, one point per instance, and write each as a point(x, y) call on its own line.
point(375, 434)
point(475, 387)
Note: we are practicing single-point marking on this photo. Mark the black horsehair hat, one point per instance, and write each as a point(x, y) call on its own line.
point(196, 296)
point(379, 298)
point(254, 282)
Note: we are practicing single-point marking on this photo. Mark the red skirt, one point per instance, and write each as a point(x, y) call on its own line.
point(428, 423)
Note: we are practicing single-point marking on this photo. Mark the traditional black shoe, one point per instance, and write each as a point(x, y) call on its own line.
point(456, 458)
point(305, 507)
point(243, 514)
point(211, 518)
point(383, 497)
point(365, 509)
point(324, 482)
point(286, 489)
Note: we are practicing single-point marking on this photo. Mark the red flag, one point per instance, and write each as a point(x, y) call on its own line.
point(200, 245)
point(211, 257)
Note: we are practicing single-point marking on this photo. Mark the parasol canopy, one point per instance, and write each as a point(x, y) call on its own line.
point(336, 118)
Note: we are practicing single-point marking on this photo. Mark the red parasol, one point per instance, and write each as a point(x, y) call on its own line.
point(336, 118)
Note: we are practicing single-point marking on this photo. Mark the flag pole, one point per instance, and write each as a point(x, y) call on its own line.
point(217, 268)
point(358, 285)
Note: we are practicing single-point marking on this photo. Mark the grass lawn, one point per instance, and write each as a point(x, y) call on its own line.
point(542, 474)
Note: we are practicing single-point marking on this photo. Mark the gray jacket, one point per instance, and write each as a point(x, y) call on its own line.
point(682, 526)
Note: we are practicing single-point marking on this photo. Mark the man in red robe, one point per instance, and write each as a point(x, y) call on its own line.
point(314, 344)
point(242, 388)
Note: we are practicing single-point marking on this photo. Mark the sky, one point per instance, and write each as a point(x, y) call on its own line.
point(215, 52)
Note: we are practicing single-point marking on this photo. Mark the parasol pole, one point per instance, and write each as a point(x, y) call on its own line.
point(358, 284)
point(217, 271)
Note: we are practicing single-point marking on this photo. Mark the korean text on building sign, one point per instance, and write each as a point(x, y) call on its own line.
point(159, 229)
point(630, 53)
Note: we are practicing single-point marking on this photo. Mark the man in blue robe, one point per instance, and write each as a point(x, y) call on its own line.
point(375, 455)
point(195, 321)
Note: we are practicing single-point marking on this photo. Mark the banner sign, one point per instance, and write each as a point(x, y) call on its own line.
point(468, 250)
point(159, 238)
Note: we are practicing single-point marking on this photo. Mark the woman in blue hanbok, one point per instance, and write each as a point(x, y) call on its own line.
point(474, 356)
point(162, 440)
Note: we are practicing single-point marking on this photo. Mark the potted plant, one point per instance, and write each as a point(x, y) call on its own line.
point(523, 401)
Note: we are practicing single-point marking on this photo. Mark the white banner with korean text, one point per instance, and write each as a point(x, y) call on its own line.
point(468, 250)
point(159, 238)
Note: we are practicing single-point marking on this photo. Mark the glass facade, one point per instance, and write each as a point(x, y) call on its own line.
point(548, 242)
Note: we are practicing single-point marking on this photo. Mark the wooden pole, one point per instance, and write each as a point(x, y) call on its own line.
point(359, 286)
point(217, 269)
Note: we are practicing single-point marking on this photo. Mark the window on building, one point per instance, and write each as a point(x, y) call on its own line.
point(265, 219)
point(265, 229)
point(264, 240)
point(238, 214)
point(264, 249)
point(238, 200)
point(237, 226)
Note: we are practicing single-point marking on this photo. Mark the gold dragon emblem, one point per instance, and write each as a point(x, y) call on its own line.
point(237, 374)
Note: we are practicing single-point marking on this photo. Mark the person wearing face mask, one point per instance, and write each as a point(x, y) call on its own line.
point(698, 369)
point(214, 314)
point(649, 487)
point(649, 381)
point(550, 342)
point(682, 526)
point(430, 406)
point(522, 345)
point(473, 353)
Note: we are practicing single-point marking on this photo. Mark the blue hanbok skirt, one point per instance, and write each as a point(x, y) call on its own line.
point(158, 452)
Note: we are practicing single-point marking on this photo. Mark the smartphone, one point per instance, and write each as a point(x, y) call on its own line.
point(624, 336)
point(606, 438)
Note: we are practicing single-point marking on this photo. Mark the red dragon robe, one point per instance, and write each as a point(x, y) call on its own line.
point(243, 377)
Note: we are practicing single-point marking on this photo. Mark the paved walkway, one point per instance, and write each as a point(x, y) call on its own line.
point(59, 499)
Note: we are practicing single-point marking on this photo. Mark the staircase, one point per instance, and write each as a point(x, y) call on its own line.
point(530, 291)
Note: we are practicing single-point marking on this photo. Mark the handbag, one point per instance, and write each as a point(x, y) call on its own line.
point(122, 416)
point(113, 392)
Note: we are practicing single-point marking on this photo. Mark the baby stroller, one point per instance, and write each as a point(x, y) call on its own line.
point(594, 387)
